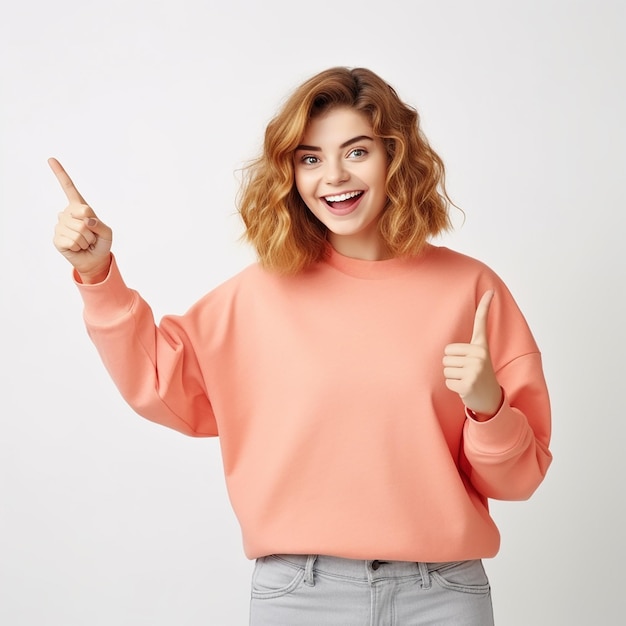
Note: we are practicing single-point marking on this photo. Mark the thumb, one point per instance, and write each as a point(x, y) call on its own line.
point(97, 227)
point(479, 331)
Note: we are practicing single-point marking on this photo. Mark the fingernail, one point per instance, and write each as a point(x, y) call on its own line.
point(92, 221)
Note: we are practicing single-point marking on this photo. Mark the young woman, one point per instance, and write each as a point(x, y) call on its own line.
point(371, 391)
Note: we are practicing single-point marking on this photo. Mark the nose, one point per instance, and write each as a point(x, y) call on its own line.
point(336, 173)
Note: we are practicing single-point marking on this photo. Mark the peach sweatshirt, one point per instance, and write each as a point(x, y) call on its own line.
point(338, 434)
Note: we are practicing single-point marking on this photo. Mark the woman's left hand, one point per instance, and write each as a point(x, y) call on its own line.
point(468, 369)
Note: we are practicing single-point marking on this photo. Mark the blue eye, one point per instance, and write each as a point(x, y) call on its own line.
point(309, 159)
point(357, 153)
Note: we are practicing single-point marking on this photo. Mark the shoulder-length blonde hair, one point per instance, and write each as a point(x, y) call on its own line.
point(287, 236)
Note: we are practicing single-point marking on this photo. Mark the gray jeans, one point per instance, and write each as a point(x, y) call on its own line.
point(298, 590)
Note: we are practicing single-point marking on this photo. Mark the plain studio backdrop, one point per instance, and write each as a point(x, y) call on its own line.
point(153, 106)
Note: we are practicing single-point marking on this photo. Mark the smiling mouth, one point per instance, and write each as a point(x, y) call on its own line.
point(343, 199)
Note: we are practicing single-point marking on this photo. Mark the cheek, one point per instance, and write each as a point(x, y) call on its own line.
point(382, 170)
point(303, 185)
point(297, 181)
point(301, 188)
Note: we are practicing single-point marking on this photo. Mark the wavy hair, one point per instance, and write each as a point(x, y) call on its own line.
point(286, 235)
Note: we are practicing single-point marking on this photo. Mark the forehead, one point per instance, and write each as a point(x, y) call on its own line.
point(336, 126)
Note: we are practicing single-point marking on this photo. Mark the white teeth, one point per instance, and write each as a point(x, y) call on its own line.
point(343, 196)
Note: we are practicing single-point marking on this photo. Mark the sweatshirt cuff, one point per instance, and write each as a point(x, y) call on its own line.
point(107, 300)
point(502, 432)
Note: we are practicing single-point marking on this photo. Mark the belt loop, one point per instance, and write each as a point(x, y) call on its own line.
point(423, 567)
point(309, 579)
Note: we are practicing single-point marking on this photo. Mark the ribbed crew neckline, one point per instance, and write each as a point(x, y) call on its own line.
point(375, 270)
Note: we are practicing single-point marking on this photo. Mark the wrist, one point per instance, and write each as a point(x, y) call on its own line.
point(96, 275)
point(483, 416)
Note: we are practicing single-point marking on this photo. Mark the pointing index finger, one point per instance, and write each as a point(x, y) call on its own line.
point(479, 332)
point(72, 194)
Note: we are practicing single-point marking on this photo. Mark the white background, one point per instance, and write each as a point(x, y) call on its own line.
point(108, 519)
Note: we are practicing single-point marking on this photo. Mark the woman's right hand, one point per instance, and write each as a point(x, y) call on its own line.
point(79, 235)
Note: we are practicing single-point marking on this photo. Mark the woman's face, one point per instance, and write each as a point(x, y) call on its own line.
point(340, 173)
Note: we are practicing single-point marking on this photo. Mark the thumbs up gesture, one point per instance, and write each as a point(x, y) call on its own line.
point(79, 235)
point(468, 370)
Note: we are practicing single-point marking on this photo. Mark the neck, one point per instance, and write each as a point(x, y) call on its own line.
point(374, 250)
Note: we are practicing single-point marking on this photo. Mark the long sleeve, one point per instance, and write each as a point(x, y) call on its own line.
point(154, 367)
point(508, 455)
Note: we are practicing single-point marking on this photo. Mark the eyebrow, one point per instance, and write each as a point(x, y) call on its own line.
point(345, 144)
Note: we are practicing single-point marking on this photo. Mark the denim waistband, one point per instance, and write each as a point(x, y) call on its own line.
point(365, 570)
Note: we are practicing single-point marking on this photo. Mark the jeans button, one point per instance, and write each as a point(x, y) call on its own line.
point(375, 564)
